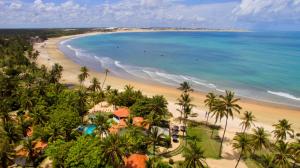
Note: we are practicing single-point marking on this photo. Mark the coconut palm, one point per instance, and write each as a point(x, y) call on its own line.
point(95, 85)
point(295, 151)
point(184, 100)
point(102, 126)
point(155, 138)
point(112, 97)
point(106, 73)
point(187, 109)
point(6, 152)
point(209, 102)
point(260, 138)
point(28, 145)
point(55, 73)
point(218, 113)
point(11, 132)
point(158, 106)
point(4, 111)
point(282, 129)
point(194, 156)
point(114, 149)
point(267, 160)
point(242, 143)
point(84, 74)
point(185, 87)
point(230, 106)
point(282, 155)
point(247, 120)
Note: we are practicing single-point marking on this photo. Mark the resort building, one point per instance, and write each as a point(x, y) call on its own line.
point(121, 114)
point(136, 161)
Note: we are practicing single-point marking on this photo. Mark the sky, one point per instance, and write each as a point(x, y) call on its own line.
point(281, 15)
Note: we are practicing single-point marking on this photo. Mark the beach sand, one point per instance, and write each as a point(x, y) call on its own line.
point(266, 113)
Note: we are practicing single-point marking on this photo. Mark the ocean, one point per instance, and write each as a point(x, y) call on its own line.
point(262, 66)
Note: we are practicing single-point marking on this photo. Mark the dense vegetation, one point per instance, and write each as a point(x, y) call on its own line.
point(32, 100)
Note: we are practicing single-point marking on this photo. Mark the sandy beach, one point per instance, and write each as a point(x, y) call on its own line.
point(266, 113)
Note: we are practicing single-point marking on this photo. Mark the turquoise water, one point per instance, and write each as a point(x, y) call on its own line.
point(89, 129)
point(257, 65)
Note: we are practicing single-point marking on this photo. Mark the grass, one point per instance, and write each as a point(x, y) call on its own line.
point(209, 145)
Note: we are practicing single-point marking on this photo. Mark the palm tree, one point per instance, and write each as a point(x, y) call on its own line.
point(27, 143)
point(6, 152)
point(229, 104)
point(187, 109)
point(194, 156)
point(84, 74)
point(218, 112)
point(114, 149)
point(185, 87)
point(112, 97)
point(106, 73)
point(11, 132)
point(267, 160)
point(295, 151)
point(247, 120)
point(4, 111)
point(102, 125)
point(55, 73)
point(21, 121)
point(242, 143)
point(260, 138)
point(184, 100)
point(282, 156)
point(282, 129)
point(95, 86)
point(209, 102)
point(155, 138)
point(158, 108)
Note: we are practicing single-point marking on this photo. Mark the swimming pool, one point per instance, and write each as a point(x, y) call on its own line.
point(89, 129)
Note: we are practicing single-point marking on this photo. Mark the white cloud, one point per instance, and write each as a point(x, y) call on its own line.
point(15, 5)
point(268, 10)
point(176, 13)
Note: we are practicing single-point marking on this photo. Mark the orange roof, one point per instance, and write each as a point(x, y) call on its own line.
point(40, 145)
point(136, 161)
point(122, 112)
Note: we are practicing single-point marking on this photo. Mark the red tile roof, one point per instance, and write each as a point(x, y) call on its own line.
point(136, 161)
point(122, 113)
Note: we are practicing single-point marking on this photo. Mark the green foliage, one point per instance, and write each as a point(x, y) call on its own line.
point(64, 119)
point(58, 152)
point(194, 156)
point(85, 152)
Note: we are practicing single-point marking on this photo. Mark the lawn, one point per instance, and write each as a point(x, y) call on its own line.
point(209, 145)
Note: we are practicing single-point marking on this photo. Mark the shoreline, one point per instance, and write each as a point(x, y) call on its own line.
point(265, 112)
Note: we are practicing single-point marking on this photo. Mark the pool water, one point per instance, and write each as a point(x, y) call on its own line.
point(89, 129)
